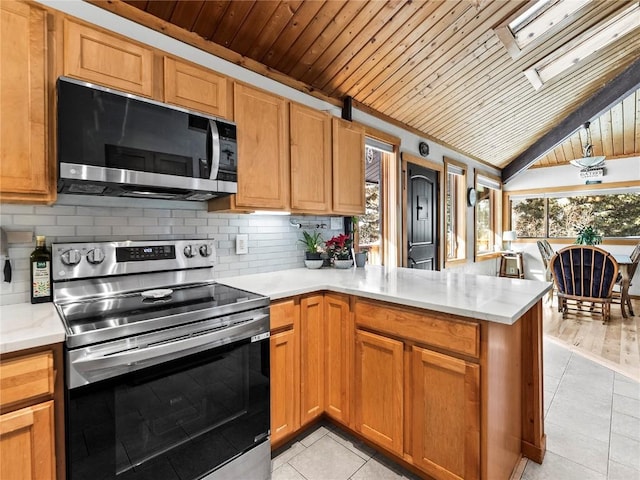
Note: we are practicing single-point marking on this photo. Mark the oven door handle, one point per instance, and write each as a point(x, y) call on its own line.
point(98, 367)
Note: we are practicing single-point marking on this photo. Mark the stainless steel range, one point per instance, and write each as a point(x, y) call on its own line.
point(167, 371)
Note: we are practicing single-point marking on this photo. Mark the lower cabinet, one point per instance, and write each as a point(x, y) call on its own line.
point(285, 369)
point(445, 415)
point(338, 348)
point(378, 389)
point(27, 448)
point(311, 358)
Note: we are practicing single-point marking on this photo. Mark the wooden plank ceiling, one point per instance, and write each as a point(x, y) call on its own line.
point(435, 66)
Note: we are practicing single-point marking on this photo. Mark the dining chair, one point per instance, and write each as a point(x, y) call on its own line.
point(584, 274)
point(631, 271)
point(546, 252)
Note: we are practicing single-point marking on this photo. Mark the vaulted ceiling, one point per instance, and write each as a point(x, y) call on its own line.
point(436, 66)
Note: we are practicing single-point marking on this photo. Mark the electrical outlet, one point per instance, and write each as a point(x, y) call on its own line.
point(336, 223)
point(242, 244)
point(512, 271)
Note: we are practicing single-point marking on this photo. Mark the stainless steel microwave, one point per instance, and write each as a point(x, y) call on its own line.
point(116, 144)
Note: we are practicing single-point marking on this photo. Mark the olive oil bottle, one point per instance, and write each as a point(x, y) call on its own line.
point(41, 289)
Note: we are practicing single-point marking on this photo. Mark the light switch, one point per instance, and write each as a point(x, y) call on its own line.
point(242, 244)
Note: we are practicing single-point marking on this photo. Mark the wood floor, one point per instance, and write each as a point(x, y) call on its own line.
point(614, 344)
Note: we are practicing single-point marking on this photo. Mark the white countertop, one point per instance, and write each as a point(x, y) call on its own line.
point(495, 299)
point(502, 300)
point(24, 325)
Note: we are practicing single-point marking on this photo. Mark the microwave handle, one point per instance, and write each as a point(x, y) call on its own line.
point(214, 151)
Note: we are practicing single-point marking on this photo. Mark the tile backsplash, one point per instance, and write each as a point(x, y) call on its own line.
point(273, 241)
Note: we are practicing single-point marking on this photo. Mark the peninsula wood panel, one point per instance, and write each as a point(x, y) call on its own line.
point(437, 67)
point(263, 149)
point(311, 180)
point(27, 449)
point(379, 389)
point(312, 354)
point(26, 174)
point(109, 60)
point(196, 88)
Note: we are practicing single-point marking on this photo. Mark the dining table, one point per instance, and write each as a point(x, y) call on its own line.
point(624, 263)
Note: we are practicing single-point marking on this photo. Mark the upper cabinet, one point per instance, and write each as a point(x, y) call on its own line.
point(107, 59)
point(197, 88)
point(310, 132)
point(263, 149)
point(348, 168)
point(26, 171)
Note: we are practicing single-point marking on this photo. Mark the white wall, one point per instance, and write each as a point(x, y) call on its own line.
point(618, 170)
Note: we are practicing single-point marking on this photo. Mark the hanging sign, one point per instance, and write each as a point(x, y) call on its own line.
point(592, 173)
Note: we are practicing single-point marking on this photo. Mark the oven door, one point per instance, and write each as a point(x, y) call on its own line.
point(201, 415)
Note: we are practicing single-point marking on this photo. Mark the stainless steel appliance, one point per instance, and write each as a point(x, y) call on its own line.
point(116, 144)
point(167, 372)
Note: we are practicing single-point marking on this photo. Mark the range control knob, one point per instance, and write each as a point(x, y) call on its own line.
point(190, 251)
point(95, 256)
point(205, 250)
point(71, 257)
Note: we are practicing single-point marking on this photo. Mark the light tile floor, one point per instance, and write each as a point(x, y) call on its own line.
point(592, 421)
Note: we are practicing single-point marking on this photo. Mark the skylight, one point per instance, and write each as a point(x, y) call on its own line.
point(584, 46)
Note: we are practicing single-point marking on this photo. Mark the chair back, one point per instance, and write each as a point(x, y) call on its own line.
point(584, 271)
point(546, 252)
point(635, 258)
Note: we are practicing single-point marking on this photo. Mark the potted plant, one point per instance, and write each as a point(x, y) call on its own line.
point(587, 236)
point(313, 244)
point(339, 249)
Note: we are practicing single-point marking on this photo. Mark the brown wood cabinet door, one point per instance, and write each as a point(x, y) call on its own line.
point(311, 181)
point(263, 149)
point(285, 384)
point(338, 364)
point(348, 168)
point(446, 415)
point(378, 385)
point(25, 170)
point(311, 358)
point(106, 59)
point(196, 88)
point(27, 443)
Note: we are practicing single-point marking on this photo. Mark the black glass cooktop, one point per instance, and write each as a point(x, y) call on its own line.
point(120, 310)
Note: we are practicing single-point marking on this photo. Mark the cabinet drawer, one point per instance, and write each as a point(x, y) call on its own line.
point(26, 377)
point(282, 314)
point(427, 328)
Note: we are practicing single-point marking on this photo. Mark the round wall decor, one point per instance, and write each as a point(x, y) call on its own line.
point(423, 148)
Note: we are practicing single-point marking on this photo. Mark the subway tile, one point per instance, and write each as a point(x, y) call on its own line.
point(157, 212)
point(206, 229)
point(102, 231)
point(127, 212)
point(55, 210)
point(33, 220)
point(195, 221)
point(218, 222)
point(142, 221)
point(95, 211)
point(74, 220)
point(56, 231)
point(185, 230)
point(183, 213)
point(157, 230)
point(112, 221)
point(11, 208)
point(170, 221)
point(223, 229)
point(129, 230)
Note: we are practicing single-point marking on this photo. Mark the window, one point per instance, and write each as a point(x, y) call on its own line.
point(375, 227)
point(613, 214)
point(487, 214)
point(455, 210)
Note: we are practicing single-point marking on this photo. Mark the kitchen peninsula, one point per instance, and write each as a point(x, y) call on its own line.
point(440, 370)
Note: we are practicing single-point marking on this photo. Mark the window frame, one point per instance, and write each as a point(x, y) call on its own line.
point(495, 220)
point(570, 190)
point(460, 215)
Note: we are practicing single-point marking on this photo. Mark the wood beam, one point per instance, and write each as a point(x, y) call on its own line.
point(610, 94)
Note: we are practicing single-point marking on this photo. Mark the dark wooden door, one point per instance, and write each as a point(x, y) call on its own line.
point(422, 217)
